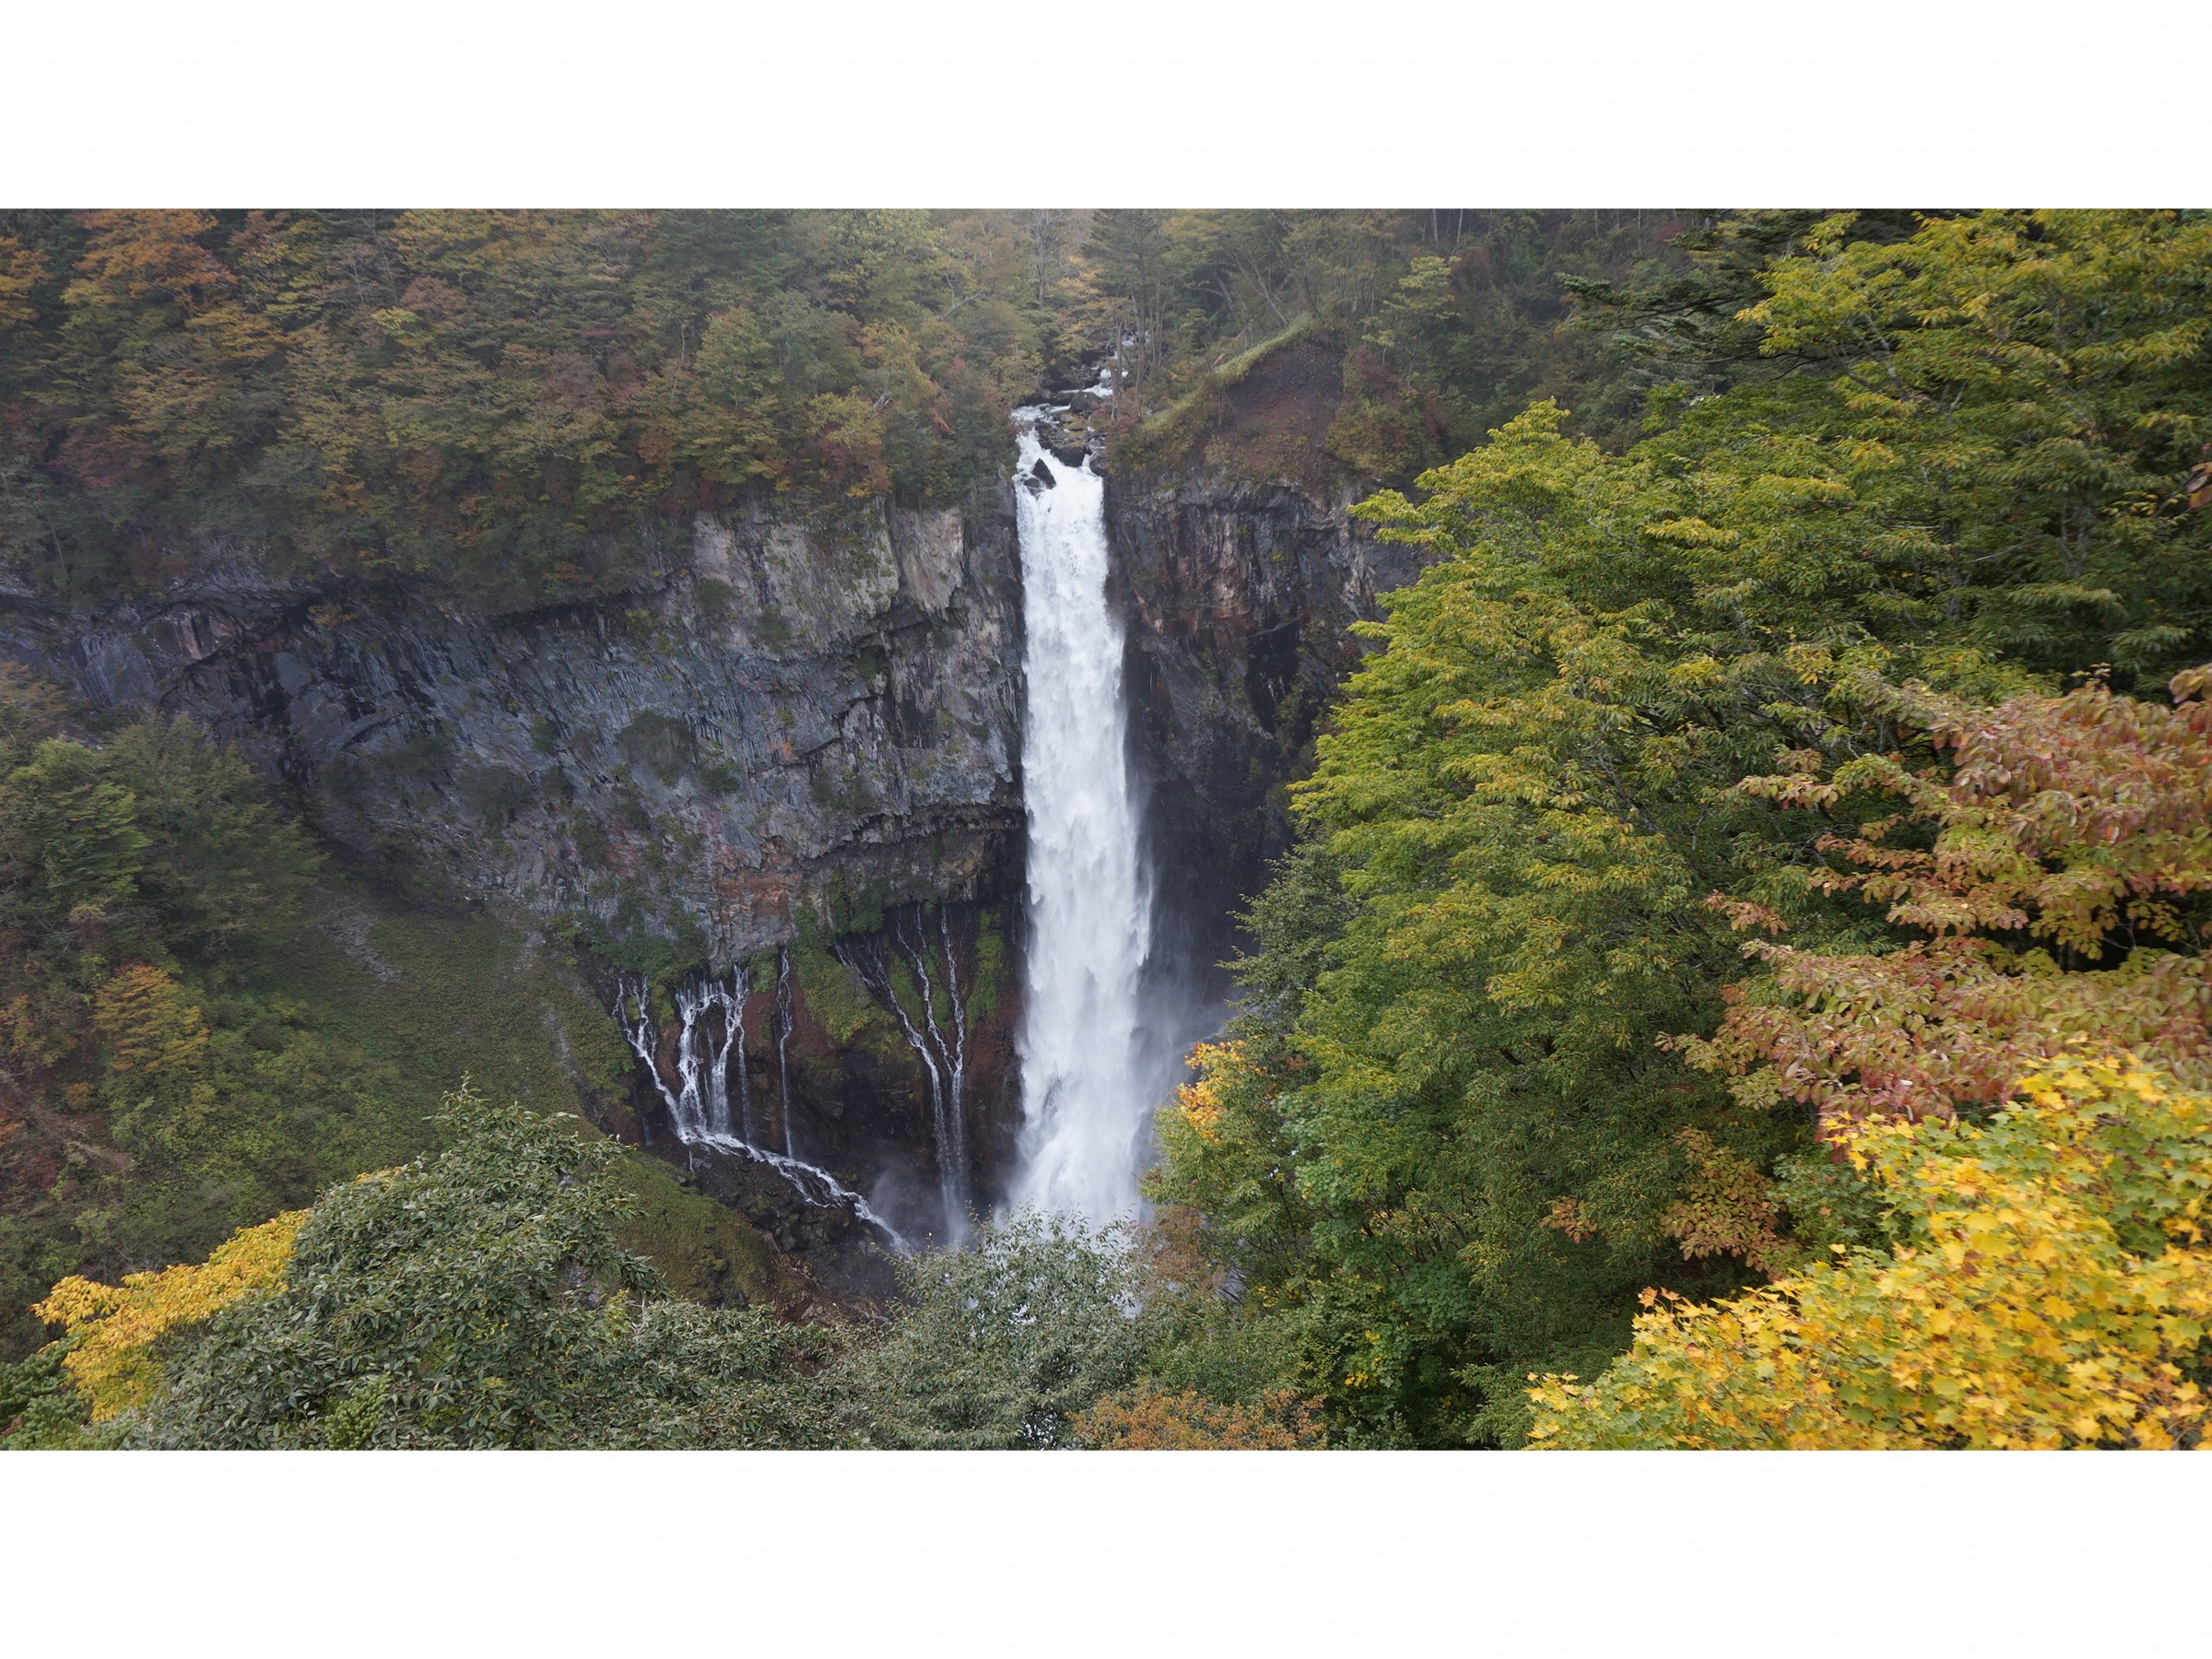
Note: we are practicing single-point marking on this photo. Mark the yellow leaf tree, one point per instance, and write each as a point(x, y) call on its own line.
point(2055, 1290)
point(116, 1327)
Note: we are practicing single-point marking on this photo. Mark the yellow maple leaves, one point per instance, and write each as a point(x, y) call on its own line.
point(117, 1327)
point(2057, 1292)
point(1199, 1103)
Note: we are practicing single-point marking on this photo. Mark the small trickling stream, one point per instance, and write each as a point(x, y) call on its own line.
point(710, 1035)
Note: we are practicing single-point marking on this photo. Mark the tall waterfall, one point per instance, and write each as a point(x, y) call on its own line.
point(1084, 1095)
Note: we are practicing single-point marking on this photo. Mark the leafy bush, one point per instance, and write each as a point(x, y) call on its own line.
point(114, 1331)
point(1005, 1341)
point(477, 1297)
point(1155, 1419)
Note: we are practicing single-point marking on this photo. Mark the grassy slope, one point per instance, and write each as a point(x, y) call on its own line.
point(374, 1010)
point(475, 995)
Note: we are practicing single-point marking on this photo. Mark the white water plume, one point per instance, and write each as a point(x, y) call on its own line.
point(1086, 1100)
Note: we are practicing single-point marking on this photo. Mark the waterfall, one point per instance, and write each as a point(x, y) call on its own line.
point(748, 1131)
point(940, 1045)
point(1086, 1101)
point(783, 1018)
point(699, 1104)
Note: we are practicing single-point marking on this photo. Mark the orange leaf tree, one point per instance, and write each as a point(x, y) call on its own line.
point(2061, 899)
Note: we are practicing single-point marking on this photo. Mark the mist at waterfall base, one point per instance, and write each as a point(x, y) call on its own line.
point(1091, 1072)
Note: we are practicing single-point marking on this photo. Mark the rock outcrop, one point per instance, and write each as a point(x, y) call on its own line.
point(1239, 597)
point(773, 713)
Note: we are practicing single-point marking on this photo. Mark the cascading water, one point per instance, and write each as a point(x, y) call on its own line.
point(1085, 1095)
point(940, 1044)
point(784, 1020)
point(712, 1029)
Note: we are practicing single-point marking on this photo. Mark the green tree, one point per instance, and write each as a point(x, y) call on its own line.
point(477, 1297)
point(1449, 1134)
point(1004, 1341)
point(2033, 388)
point(218, 853)
point(69, 837)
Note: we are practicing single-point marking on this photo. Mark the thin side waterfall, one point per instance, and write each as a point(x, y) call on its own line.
point(1085, 1101)
point(941, 1044)
point(748, 1131)
point(784, 1018)
point(710, 1033)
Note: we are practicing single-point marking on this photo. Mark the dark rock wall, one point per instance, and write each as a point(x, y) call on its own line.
point(780, 728)
point(774, 714)
point(1239, 597)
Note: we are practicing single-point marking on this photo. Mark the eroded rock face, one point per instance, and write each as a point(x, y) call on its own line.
point(779, 727)
point(774, 711)
point(1239, 597)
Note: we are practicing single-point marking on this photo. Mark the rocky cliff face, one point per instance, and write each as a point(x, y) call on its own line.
point(782, 730)
point(1238, 597)
point(788, 753)
point(774, 713)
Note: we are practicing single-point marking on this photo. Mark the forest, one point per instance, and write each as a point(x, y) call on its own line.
point(1739, 981)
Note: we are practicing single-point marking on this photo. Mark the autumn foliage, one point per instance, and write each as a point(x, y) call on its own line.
point(1156, 1420)
point(2052, 1286)
point(504, 402)
point(2059, 900)
point(115, 1329)
point(2057, 1291)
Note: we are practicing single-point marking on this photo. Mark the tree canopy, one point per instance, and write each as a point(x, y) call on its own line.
point(505, 401)
point(1501, 1067)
